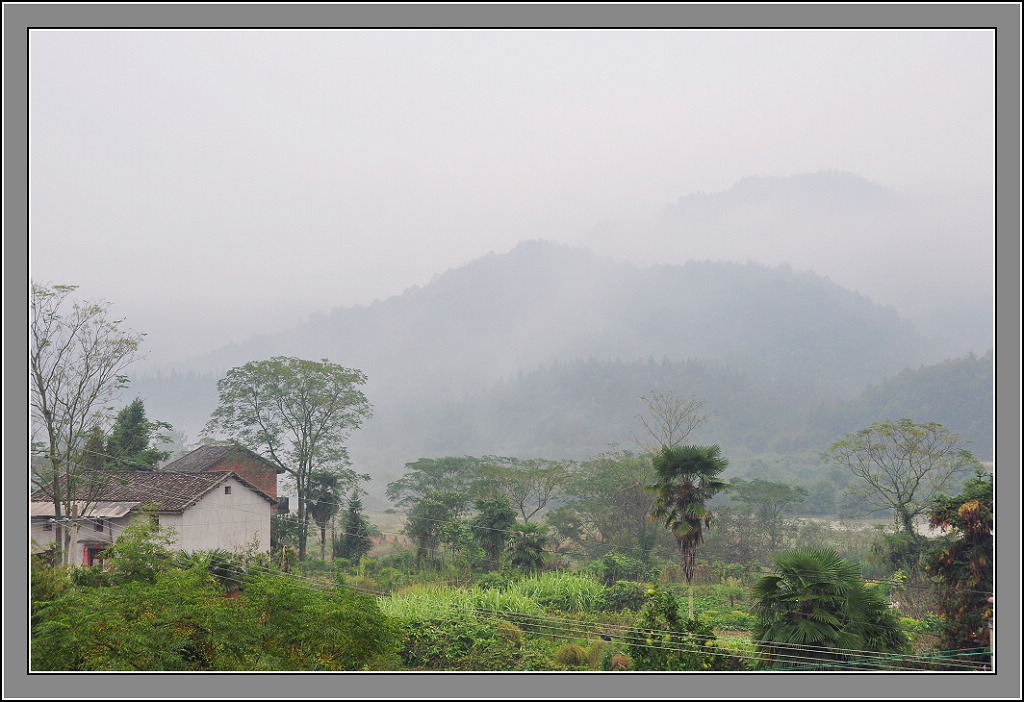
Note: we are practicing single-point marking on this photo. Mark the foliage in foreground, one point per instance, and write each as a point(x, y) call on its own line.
point(817, 612)
point(964, 564)
point(672, 643)
point(181, 620)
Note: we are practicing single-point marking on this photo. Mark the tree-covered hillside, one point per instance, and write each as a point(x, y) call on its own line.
point(957, 393)
point(576, 409)
point(547, 349)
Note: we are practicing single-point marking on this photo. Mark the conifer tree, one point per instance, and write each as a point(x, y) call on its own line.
point(355, 540)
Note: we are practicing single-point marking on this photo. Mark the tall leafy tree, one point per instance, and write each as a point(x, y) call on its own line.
point(531, 484)
point(903, 466)
point(687, 477)
point(527, 544)
point(770, 501)
point(426, 520)
point(818, 612)
point(611, 498)
point(964, 564)
point(94, 454)
point(296, 413)
point(78, 358)
point(452, 474)
point(490, 527)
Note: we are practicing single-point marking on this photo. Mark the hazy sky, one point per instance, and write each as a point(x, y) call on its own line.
point(211, 184)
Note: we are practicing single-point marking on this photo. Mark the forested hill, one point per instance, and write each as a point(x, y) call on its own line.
point(957, 393)
point(543, 302)
point(444, 360)
point(575, 409)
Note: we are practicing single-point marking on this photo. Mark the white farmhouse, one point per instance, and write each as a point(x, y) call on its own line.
point(214, 510)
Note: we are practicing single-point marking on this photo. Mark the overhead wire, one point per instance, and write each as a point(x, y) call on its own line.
point(631, 633)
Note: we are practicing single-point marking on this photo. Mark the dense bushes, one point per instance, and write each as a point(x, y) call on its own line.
point(183, 621)
point(216, 612)
point(672, 643)
point(460, 644)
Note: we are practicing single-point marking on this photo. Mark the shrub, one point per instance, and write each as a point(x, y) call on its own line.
point(510, 633)
point(673, 643)
point(48, 584)
point(595, 653)
point(615, 566)
point(850, 620)
point(736, 619)
point(571, 656)
point(620, 661)
point(89, 576)
point(492, 580)
point(622, 595)
point(466, 644)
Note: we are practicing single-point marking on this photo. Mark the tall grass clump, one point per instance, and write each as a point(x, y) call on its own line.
point(425, 602)
point(567, 592)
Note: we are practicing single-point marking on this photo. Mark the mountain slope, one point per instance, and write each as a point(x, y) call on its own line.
point(931, 257)
point(543, 301)
point(431, 348)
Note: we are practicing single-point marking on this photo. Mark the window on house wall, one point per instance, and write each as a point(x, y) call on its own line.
point(227, 489)
point(48, 525)
point(99, 525)
point(92, 556)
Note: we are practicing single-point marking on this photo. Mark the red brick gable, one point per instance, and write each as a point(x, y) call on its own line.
point(249, 466)
point(258, 472)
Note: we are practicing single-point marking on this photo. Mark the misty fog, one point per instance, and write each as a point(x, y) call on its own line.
point(801, 215)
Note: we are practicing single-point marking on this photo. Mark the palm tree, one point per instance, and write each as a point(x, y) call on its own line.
point(818, 611)
point(687, 478)
point(526, 545)
point(324, 490)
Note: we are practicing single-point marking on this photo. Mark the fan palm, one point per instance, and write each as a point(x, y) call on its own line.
point(818, 611)
point(526, 545)
point(687, 478)
point(324, 490)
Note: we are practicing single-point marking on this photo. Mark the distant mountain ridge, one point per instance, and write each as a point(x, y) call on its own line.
point(825, 191)
point(909, 250)
point(543, 302)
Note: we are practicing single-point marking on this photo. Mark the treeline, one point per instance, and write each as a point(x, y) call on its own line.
point(577, 409)
point(489, 585)
point(957, 393)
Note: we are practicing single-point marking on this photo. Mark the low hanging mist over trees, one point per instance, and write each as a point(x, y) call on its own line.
point(547, 349)
point(666, 388)
point(481, 553)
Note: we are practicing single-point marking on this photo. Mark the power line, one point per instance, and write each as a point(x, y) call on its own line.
point(563, 628)
point(788, 648)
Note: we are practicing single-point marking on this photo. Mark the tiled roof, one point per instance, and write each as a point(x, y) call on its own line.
point(205, 456)
point(102, 510)
point(167, 491)
point(200, 458)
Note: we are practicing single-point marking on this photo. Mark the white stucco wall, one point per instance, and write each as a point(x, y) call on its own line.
point(112, 528)
point(229, 521)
